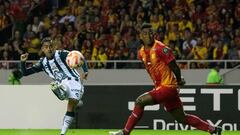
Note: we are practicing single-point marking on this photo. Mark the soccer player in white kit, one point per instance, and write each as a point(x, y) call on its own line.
point(67, 83)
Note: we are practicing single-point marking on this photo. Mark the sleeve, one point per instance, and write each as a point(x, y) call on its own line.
point(63, 54)
point(165, 54)
point(85, 66)
point(37, 67)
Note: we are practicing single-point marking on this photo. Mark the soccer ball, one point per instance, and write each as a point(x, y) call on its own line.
point(75, 59)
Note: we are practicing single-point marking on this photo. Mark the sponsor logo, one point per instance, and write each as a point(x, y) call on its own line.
point(160, 124)
point(77, 90)
point(165, 50)
point(189, 98)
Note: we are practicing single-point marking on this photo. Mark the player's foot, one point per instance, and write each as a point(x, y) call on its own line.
point(119, 132)
point(217, 131)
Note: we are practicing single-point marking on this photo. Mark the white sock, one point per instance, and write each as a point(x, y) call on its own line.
point(66, 123)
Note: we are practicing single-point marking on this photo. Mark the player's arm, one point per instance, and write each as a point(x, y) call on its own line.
point(37, 67)
point(177, 72)
point(167, 55)
point(85, 69)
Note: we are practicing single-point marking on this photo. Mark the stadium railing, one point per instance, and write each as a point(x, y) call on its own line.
point(133, 64)
point(225, 74)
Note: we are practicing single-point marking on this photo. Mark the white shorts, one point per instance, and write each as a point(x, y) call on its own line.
point(75, 89)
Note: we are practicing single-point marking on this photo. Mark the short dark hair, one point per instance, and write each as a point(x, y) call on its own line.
point(46, 39)
point(146, 25)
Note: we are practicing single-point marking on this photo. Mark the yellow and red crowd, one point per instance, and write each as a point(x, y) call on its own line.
point(109, 29)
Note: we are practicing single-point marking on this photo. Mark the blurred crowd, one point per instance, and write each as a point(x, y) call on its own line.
point(109, 29)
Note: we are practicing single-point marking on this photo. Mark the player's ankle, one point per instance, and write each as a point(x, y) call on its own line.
point(217, 130)
point(213, 131)
point(125, 132)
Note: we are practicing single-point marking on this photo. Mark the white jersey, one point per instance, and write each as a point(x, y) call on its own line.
point(59, 71)
point(55, 68)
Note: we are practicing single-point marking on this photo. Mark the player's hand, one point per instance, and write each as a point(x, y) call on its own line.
point(84, 76)
point(182, 82)
point(24, 57)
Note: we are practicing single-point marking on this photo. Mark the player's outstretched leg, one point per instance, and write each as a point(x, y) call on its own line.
point(136, 115)
point(194, 121)
point(198, 123)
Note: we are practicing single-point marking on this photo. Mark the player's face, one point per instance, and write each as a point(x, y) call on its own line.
point(48, 49)
point(147, 36)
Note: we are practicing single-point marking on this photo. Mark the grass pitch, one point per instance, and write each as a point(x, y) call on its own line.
point(103, 132)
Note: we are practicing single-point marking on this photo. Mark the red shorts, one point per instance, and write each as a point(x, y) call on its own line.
point(167, 96)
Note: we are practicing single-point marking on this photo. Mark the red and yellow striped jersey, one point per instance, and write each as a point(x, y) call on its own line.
point(156, 60)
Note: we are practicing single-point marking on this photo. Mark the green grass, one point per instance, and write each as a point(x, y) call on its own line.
point(103, 132)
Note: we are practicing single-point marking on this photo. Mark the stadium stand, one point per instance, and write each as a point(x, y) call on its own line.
point(108, 29)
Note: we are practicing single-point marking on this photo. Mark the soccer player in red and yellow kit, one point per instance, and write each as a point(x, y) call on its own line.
point(160, 63)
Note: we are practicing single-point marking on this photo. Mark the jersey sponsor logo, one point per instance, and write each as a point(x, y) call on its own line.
point(56, 73)
point(165, 50)
point(75, 90)
point(58, 60)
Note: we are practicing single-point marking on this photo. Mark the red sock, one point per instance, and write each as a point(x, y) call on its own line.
point(198, 123)
point(133, 119)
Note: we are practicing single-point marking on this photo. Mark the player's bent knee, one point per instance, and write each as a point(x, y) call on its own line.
point(139, 101)
point(73, 102)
